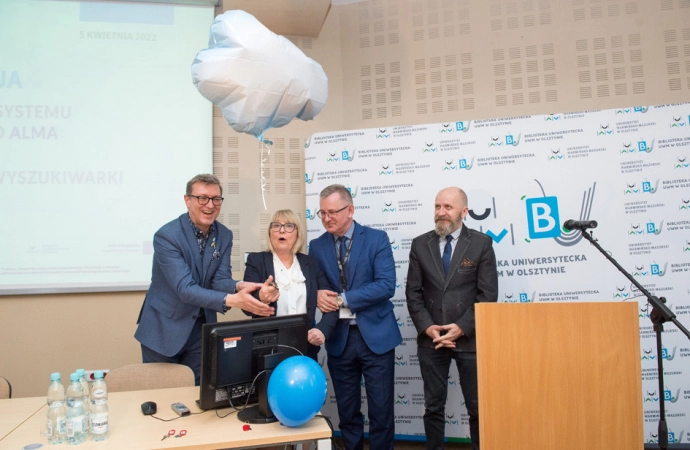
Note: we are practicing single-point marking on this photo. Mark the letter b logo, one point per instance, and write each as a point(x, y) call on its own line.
point(542, 217)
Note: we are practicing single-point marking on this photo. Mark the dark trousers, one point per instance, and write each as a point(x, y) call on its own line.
point(434, 366)
point(190, 355)
point(346, 373)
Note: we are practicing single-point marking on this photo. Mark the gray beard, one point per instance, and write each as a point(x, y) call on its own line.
point(444, 228)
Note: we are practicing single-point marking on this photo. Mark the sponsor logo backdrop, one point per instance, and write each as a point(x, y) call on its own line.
point(627, 168)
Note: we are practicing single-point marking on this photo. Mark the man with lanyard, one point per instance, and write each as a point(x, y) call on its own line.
point(361, 339)
point(191, 280)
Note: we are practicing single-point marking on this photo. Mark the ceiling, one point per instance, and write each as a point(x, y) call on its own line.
point(286, 17)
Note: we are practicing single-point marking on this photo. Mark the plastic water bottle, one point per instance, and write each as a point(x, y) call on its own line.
point(56, 417)
point(99, 408)
point(76, 422)
point(87, 404)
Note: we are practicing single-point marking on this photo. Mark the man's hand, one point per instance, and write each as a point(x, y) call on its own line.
point(447, 335)
point(434, 331)
point(244, 300)
point(242, 285)
point(326, 301)
point(269, 292)
point(316, 337)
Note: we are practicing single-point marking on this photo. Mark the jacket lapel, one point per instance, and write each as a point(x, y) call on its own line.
point(355, 251)
point(331, 259)
point(434, 249)
point(193, 247)
point(268, 265)
point(304, 265)
point(212, 245)
point(306, 268)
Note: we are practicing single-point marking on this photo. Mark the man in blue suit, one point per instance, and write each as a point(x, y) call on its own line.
point(360, 340)
point(191, 280)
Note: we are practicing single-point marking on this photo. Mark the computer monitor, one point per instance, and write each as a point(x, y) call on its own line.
point(234, 353)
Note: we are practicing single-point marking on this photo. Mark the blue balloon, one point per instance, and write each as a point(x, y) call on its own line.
point(296, 390)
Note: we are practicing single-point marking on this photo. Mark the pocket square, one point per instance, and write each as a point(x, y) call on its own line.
point(466, 263)
point(216, 255)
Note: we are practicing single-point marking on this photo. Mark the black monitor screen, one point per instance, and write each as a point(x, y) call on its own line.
point(234, 353)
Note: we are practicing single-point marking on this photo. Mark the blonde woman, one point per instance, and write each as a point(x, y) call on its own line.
point(298, 276)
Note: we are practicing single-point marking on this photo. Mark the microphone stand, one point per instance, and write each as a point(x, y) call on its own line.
point(660, 314)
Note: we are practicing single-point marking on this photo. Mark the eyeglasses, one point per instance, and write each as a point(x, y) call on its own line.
point(277, 226)
point(321, 213)
point(203, 200)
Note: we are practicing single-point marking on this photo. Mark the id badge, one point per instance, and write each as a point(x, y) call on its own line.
point(345, 313)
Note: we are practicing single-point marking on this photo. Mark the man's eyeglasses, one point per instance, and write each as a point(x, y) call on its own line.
point(288, 227)
point(203, 200)
point(321, 213)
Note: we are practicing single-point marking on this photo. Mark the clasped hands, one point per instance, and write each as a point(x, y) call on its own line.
point(444, 336)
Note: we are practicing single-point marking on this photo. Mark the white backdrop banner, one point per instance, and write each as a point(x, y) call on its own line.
point(626, 168)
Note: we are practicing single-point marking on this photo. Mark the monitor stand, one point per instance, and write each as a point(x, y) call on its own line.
point(262, 413)
point(251, 414)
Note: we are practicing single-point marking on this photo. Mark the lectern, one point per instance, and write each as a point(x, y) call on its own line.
point(559, 376)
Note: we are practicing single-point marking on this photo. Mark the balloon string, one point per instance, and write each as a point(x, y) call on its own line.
point(263, 177)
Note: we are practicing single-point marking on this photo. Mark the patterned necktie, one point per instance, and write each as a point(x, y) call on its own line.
point(447, 251)
point(343, 249)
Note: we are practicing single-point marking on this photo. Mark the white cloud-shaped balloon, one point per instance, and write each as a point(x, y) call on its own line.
point(258, 79)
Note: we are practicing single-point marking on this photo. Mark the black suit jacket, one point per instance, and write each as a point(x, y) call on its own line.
point(260, 265)
point(434, 298)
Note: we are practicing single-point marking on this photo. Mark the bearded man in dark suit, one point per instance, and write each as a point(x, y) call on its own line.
point(451, 268)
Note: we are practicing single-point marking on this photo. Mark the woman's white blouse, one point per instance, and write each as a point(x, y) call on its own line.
point(293, 289)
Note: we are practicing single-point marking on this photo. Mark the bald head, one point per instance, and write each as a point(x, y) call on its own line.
point(454, 192)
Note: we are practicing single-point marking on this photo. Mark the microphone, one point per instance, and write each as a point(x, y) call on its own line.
point(579, 224)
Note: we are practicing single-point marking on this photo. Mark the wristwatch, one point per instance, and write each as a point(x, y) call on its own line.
point(339, 300)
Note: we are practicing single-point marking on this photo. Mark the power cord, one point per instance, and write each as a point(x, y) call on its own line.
point(334, 443)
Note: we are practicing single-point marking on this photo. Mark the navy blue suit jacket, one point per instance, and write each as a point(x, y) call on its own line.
point(370, 275)
point(182, 283)
point(260, 265)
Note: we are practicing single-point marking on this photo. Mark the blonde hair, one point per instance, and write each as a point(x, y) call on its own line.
point(288, 215)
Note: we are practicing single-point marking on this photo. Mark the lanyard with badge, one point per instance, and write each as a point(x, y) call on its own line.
point(345, 312)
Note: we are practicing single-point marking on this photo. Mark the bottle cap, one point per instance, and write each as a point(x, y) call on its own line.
point(80, 372)
point(74, 377)
point(55, 376)
point(98, 374)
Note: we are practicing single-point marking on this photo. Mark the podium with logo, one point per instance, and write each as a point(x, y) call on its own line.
point(559, 376)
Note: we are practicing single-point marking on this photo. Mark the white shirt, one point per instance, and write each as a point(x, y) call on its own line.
point(293, 289)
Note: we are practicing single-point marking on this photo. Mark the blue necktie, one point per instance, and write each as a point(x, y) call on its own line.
point(447, 251)
point(343, 249)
